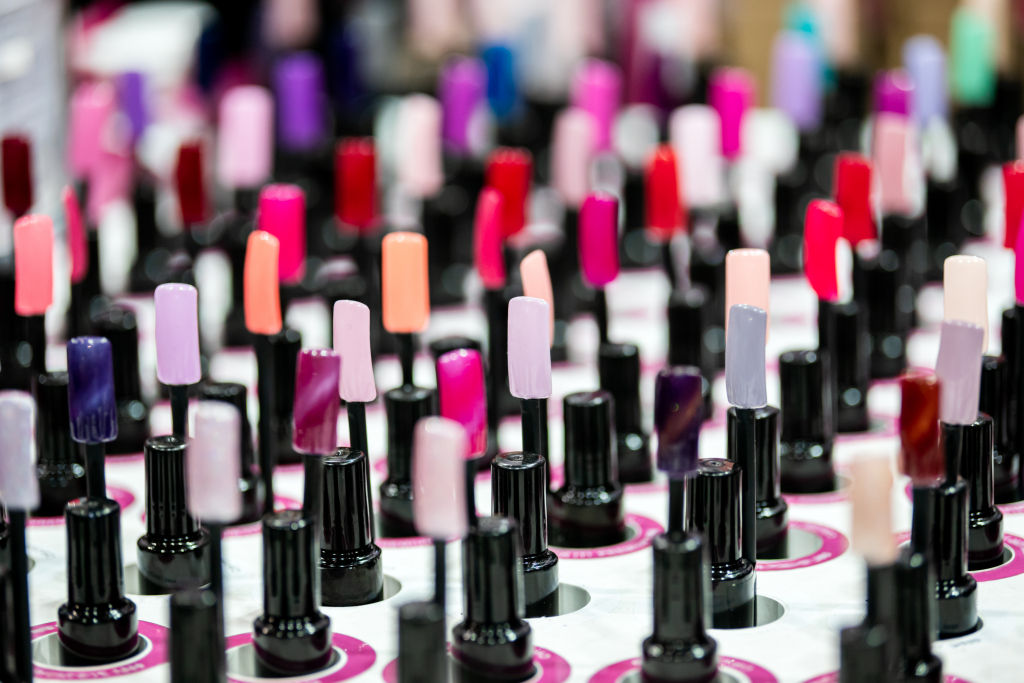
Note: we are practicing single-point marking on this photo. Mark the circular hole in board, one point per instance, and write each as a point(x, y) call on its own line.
point(242, 663)
point(392, 587)
point(799, 543)
point(768, 610)
point(566, 600)
point(137, 584)
point(722, 677)
point(47, 651)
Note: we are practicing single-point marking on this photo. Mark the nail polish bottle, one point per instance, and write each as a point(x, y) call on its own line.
point(689, 313)
point(587, 511)
point(680, 650)
point(853, 356)
point(619, 370)
point(422, 643)
point(351, 569)
point(194, 617)
point(915, 619)
point(707, 268)
point(174, 552)
point(494, 642)
point(881, 285)
point(772, 509)
point(713, 510)
point(404, 407)
point(519, 492)
point(119, 326)
point(292, 637)
point(60, 463)
point(807, 427)
point(985, 521)
point(248, 480)
point(996, 402)
point(97, 624)
point(287, 344)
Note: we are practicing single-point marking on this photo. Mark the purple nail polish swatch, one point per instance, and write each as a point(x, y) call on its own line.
point(315, 411)
point(678, 415)
point(132, 96)
point(925, 61)
point(91, 390)
point(177, 334)
point(299, 90)
point(893, 91)
point(797, 76)
point(19, 483)
point(529, 351)
point(461, 88)
point(744, 357)
point(959, 370)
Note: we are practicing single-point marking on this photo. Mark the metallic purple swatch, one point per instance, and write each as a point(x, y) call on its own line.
point(132, 95)
point(19, 483)
point(529, 349)
point(299, 90)
point(461, 88)
point(925, 61)
point(744, 357)
point(315, 411)
point(893, 92)
point(797, 76)
point(177, 334)
point(91, 390)
point(959, 370)
point(678, 414)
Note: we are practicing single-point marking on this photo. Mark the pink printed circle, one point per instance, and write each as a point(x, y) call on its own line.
point(120, 496)
point(833, 544)
point(1015, 567)
point(833, 677)
point(280, 503)
point(358, 657)
point(154, 654)
point(618, 671)
point(551, 668)
point(644, 530)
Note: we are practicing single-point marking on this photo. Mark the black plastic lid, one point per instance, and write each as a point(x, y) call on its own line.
point(806, 397)
point(618, 366)
point(493, 572)
point(166, 502)
point(994, 400)
point(852, 353)
point(589, 440)
point(53, 422)
point(689, 314)
point(95, 566)
point(120, 327)
point(404, 407)
point(1009, 343)
point(441, 346)
point(289, 563)
point(237, 395)
point(680, 587)
point(422, 651)
point(347, 513)
point(916, 621)
point(519, 492)
point(286, 344)
point(766, 435)
point(713, 508)
point(878, 282)
point(193, 638)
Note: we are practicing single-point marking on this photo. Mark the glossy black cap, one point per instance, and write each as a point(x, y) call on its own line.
point(59, 463)
point(957, 589)
point(404, 407)
point(441, 346)
point(286, 345)
point(680, 649)
point(713, 508)
point(618, 367)
point(853, 358)
point(881, 285)
point(985, 532)
point(97, 623)
point(916, 621)
point(422, 651)
point(772, 509)
point(589, 440)
point(519, 492)
point(195, 652)
point(120, 327)
point(289, 563)
point(863, 654)
point(993, 398)
point(806, 398)
point(688, 316)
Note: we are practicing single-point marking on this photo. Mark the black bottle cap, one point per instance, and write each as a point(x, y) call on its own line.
point(689, 315)
point(772, 509)
point(173, 552)
point(853, 371)
point(713, 508)
point(286, 345)
point(863, 654)
point(350, 563)
point(120, 327)
point(957, 589)
point(97, 623)
point(985, 534)
point(618, 366)
point(493, 577)
point(589, 440)
point(441, 346)
point(993, 400)
point(806, 400)
point(916, 622)
point(422, 651)
point(519, 492)
point(679, 649)
point(342, 281)
point(404, 407)
point(237, 395)
point(60, 464)
point(707, 268)
point(193, 651)
point(881, 285)
point(1009, 343)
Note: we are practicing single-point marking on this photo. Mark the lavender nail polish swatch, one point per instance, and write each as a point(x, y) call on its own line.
point(529, 352)
point(678, 415)
point(177, 334)
point(744, 357)
point(315, 411)
point(959, 370)
point(91, 390)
